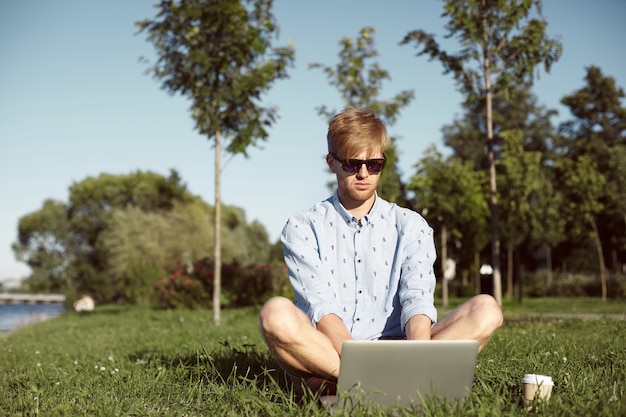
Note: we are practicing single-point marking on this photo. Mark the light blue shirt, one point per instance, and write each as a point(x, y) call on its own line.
point(375, 275)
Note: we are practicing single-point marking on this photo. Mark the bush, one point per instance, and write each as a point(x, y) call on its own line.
point(191, 286)
point(253, 284)
point(538, 284)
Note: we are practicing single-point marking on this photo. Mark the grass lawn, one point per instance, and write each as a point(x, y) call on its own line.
point(143, 362)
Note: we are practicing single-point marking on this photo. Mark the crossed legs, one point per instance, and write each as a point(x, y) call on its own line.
point(304, 352)
point(476, 319)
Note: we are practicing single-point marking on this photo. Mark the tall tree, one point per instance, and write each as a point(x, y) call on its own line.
point(451, 193)
point(360, 85)
point(220, 56)
point(585, 185)
point(598, 129)
point(547, 222)
point(499, 40)
point(521, 171)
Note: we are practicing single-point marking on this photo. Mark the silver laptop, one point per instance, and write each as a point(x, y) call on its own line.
point(403, 373)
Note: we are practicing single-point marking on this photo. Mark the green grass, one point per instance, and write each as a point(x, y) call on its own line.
point(144, 362)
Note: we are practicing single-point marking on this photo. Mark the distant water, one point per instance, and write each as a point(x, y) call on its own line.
point(14, 316)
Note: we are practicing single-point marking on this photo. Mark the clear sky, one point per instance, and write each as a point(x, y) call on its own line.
point(75, 101)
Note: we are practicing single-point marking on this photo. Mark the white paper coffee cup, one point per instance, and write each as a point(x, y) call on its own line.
point(538, 387)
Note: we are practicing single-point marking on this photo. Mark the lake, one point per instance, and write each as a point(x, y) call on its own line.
point(14, 316)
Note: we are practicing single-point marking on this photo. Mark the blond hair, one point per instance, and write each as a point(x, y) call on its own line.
point(353, 131)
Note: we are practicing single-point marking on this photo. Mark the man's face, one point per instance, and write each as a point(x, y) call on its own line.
point(355, 188)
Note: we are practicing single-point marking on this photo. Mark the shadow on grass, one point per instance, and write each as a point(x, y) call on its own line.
point(226, 365)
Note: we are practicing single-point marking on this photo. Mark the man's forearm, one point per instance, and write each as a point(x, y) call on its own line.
point(418, 328)
point(334, 328)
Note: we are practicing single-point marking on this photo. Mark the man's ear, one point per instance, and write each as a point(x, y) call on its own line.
point(329, 161)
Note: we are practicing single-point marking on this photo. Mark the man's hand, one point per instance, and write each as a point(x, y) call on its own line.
point(334, 328)
point(418, 328)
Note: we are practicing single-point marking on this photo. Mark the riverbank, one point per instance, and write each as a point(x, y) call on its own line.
point(15, 316)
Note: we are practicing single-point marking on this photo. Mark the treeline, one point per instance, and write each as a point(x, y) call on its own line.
point(561, 206)
point(118, 236)
point(561, 190)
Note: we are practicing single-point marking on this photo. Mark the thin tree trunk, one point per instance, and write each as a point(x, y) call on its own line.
point(493, 200)
point(549, 263)
point(509, 274)
point(598, 242)
point(217, 264)
point(477, 271)
point(444, 258)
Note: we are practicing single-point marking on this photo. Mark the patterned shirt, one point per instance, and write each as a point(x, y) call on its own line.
point(374, 274)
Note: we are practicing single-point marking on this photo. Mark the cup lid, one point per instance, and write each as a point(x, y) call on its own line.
point(537, 379)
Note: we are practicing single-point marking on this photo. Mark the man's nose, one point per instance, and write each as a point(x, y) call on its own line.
point(363, 172)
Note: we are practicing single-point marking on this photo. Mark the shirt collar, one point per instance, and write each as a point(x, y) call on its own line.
point(349, 218)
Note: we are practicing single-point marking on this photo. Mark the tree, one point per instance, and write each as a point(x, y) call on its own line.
point(451, 194)
point(598, 129)
point(547, 222)
point(143, 246)
point(219, 55)
point(360, 84)
point(43, 239)
point(62, 241)
point(585, 184)
point(498, 40)
point(521, 171)
point(515, 107)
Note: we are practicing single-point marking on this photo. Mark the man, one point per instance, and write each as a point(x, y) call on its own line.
point(360, 268)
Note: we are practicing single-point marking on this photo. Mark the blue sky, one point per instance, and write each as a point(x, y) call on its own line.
point(75, 101)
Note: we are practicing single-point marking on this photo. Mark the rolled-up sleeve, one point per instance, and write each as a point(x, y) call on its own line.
point(312, 293)
point(417, 280)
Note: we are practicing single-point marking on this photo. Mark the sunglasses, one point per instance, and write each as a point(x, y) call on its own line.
point(352, 166)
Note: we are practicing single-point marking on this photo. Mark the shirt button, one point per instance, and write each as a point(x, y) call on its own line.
point(358, 319)
point(360, 291)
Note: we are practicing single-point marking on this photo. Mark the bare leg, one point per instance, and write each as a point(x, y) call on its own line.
point(299, 348)
point(477, 319)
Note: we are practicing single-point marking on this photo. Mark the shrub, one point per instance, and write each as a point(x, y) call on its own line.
point(253, 284)
point(538, 284)
point(191, 286)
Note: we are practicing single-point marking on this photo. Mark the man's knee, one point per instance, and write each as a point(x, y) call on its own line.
point(488, 311)
point(277, 316)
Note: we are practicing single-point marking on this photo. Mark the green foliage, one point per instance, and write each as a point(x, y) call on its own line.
point(42, 238)
point(219, 55)
point(520, 180)
point(499, 37)
point(539, 284)
point(93, 200)
point(597, 131)
point(451, 193)
point(359, 83)
point(584, 184)
point(120, 234)
point(190, 286)
point(499, 40)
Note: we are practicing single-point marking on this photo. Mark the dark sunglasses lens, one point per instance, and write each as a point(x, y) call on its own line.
point(374, 167)
point(352, 166)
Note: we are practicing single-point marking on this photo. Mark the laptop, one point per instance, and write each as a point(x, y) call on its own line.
point(404, 373)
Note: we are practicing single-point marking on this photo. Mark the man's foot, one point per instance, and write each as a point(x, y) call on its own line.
point(321, 386)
